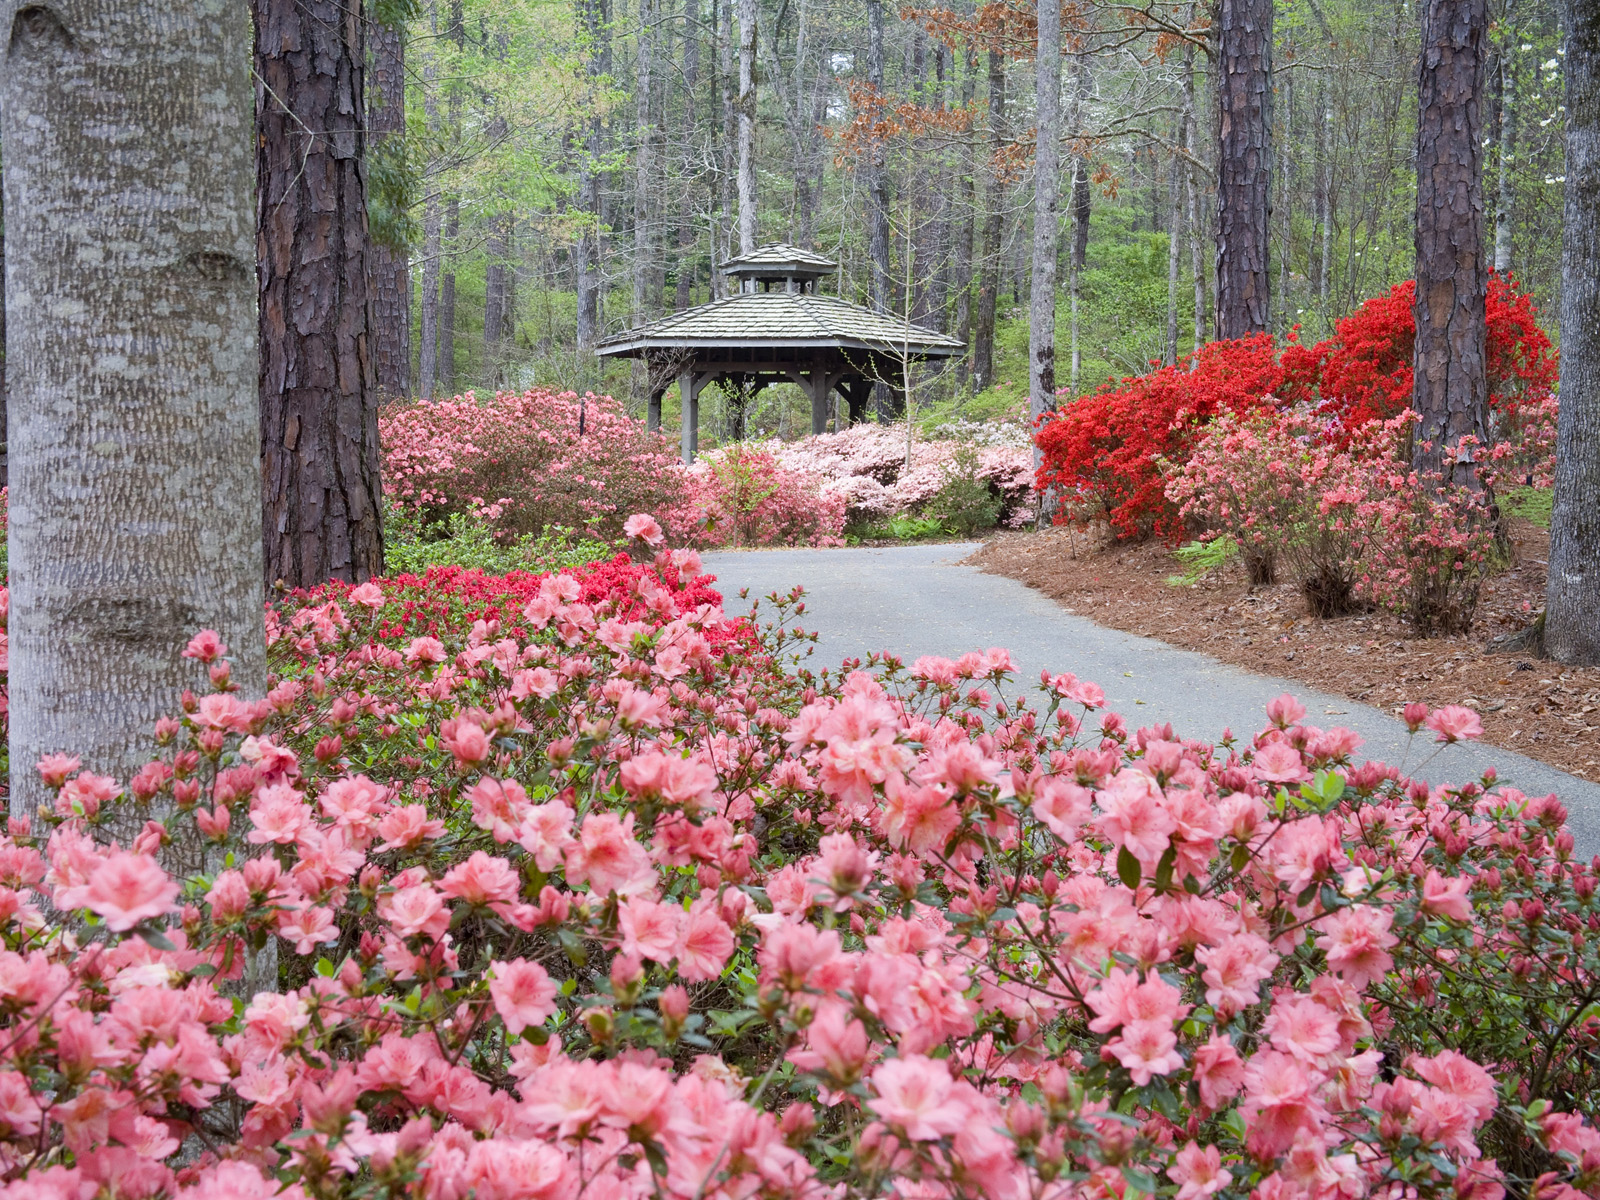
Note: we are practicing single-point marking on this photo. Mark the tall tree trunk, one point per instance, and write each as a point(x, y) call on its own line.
point(1191, 193)
point(136, 502)
point(1505, 190)
point(494, 297)
point(1282, 295)
point(723, 83)
point(1451, 388)
point(877, 169)
point(5, 452)
point(319, 403)
point(1046, 217)
point(593, 35)
point(691, 81)
point(644, 164)
point(966, 235)
point(389, 265)
point(993, 229)
point(1325, 271)
point(1244, 167)
point(1174, 258)
point(1081, 202)
point(1572, 603)
point(428, 324)
point(747, 125)
point(447, 293)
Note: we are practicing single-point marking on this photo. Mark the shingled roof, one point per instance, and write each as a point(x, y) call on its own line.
point(781, 319)
point(775, 257)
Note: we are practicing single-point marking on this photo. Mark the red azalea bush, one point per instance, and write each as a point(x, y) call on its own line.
point(528, 461)
point(580, 904)
point(1105, 448)
point(1108, 448)
point(741, 495)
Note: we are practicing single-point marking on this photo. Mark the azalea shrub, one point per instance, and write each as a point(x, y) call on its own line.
point(742, 495)
point(1107, 450)
point(581, 886)
point(1347, 519)
point(867, 467)
point(527, 462)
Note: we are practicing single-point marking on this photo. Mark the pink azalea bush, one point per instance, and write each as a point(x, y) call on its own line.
point(865, 466)
point(528, 461)
point(600, 895)
point(742, 495)
point(1342, 511)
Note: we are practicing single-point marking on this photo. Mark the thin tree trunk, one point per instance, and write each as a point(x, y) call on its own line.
point(136, 503)
point(319, 404)
point(1282, 295)
point(1191, 194)
point(1081, 202)
point(389, 265)
point(1046, 217)
point(1505, 191)
point(1244, 167)
point(494, 296)
point(593, 31)
point(967, 234)
point(447, 294)
point(1451, 386)
point(1572, 610)
point(644, 166)
point(1325, 271)
point(5, 452)
point(722, 237)
point(1174, 259)
point(877, 169)
point(691, 81)
point(993, 228)
point(428, 325)
point(747, 125)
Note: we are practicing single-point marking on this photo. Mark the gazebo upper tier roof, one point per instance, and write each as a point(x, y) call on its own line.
point(773, 320)
point(778, 260)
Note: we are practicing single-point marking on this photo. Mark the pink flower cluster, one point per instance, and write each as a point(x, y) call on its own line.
point(1341, 511)
point(626, 907)
point(528, 461)
point(865, 466)
point(742, 495)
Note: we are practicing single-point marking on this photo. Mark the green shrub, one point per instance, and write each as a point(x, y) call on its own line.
point(468, 540)
point(966, 503)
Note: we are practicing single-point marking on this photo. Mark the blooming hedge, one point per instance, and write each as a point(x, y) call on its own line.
point(528, 461)
point(743, 495)
point(578, 886)
point(1108, 448)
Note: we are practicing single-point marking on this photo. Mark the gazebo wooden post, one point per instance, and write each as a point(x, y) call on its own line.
point(652, 419)
point(819, 401)
point(689, 391)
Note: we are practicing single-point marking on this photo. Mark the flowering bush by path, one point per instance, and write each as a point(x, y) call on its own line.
point(603, 897)
point(865, 466)
point(528, 461)
point(742, 495)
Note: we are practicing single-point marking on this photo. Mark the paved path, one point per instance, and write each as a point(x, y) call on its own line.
point(913, 600)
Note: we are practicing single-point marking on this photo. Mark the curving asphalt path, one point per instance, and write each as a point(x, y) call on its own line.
point(913, 600)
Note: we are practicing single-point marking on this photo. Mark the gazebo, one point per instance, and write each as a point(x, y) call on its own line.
point(776, 329)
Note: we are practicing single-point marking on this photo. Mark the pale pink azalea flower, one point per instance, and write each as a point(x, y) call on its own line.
point(650, 929)
point(1450, 898)
point(1280, 1100)
point(1064, 806)
point(523, 993)
point(918, 818)
point(1198, 1173)
point(645, 527)
point(1356, 941)
point(1146, 1049)
point(1218, 1070)
point(1285, 710)
point(1133, 816)
point(367, 595)
point(1235, 970)
point(914, 1098)
point(1454, 723)
point(1454, 1072)
point(707, 943)
point(1278, 762)
point(124, 890)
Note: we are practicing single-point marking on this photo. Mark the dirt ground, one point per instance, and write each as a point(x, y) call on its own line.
point(1528, 704)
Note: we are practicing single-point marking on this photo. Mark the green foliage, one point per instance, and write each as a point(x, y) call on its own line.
point(1529, 503)
point(467, 540)
point(394, 181)
point(966, 503)
point(1199, 559)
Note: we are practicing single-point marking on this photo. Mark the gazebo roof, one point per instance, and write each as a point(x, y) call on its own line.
point(778, 258)
point(788, 320)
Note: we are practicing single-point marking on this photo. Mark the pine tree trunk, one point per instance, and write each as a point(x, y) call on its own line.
point(1174, 259)
point(1191, 195)
point(447, 295)
point(993, 229)
point(747, 126)
point(644, 164)
point(428, 324)
point(319, 402)
point(136, 501)
point(494, 297)
point(1081, 202)
point(1505, 191)
point(1046, 218)
point(593, 29)
point(685, 222)
point(1244, 167)
point(966, 235)
point(5, 453)
point(1572, 611)
point(1451, 388)
point(877, 169)
point(390, 267)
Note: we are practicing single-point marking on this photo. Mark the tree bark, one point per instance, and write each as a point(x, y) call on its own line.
point(5, 451)
point(691, 81)
point(495, 296)
point(447, 294)
point(644, 162)
point(322, 517)
point(966, 234)
point(136, 505)
point(747, 125)
point(1174, 258)
point(390, 266)
point(1046, 217)
point(877, 170)
point(1081, 202)
point(1505, 191)
point(593, 27)
point(1451, 388)
point(993, 229)
point(1244, 167)
point(428, 325)
point(1572, 605)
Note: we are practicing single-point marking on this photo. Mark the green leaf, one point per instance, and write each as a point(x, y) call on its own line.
point(1128, 869)
point(1164, 868)
point(154, 937)
point(1241, 856)
point(1142, 1180)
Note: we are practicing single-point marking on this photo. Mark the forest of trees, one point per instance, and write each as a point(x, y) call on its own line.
point(566, 173)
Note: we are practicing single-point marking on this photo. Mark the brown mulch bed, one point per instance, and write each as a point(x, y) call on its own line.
point(1528, 704)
